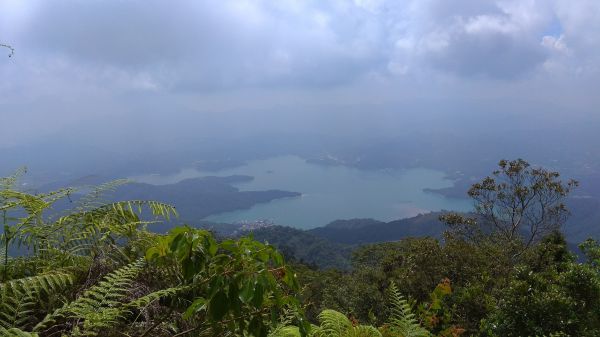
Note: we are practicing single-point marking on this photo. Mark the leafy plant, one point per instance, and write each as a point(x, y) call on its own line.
point(96, 269)
point(336, 324)
point(239, 285)
point(22, 298)
point(402, 321)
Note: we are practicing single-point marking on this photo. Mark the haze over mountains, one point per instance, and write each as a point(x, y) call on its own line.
point(372, 85)
point(290, 168)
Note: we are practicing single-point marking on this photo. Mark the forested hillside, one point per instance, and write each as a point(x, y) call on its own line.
point(361, 231)
point(97, 270)
point(331, 246)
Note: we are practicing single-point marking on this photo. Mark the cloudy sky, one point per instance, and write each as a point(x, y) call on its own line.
point(117, 67)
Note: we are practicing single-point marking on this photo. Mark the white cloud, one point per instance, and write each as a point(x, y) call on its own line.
point(115, 52)
point(580, 21)
point(256, 43)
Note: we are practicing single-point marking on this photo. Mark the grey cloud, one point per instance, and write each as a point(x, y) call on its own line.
point(203, 45)
point(489, 39)
point(492, 55)
point(207, 45)
point(78, 62)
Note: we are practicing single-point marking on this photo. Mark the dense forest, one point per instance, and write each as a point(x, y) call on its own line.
point(103, 268)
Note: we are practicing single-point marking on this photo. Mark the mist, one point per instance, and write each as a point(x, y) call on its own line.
point(300, 168)
point(122, 87)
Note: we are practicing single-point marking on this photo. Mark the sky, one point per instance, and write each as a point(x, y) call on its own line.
point(115, 71)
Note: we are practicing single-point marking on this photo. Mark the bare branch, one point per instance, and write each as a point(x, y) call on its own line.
point(12, 50)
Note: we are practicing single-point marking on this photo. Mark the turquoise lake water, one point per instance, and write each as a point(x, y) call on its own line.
point(329, 192)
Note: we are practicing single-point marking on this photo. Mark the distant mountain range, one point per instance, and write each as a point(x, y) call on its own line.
point(363, 231)
point(329, 246)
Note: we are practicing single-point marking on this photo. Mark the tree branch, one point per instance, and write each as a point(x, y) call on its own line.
point(12, 50)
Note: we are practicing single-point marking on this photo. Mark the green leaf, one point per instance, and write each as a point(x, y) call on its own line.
point(257, 299)
point(247, 292)
point(199, 304)
point(219, 305)
point(257, 327)
point(191, 267)
point(152, 253)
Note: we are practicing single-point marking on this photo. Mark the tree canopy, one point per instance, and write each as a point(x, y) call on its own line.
point(517, 204)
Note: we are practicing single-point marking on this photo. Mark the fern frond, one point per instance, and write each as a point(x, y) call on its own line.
point(98, 306)
point(10, 182)
point(31, 203)
point(333, 323)
point(364, 331)
point(14, 332)
point(158, 209)
point(119, 210)
point(30, 229)
point(93, 199)
point(146, 300)
point(336, 324)
point(119, 218)
point(21, 297)
point(285, 331)
point(402, 320)
point(44, 283)
point(98, 230)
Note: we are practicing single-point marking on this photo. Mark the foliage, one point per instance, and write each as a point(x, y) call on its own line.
point(240, 286)
point(415, 265)
point(336, 324)
point(402, 321)
point(518, 204)
point(480, 280)
point(22, 298)
point(99, 307)
point(549, 302)
point(591, 250)
point(305, 247)
point(96, 270)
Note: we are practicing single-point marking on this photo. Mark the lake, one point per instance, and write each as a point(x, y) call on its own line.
point(329, 192)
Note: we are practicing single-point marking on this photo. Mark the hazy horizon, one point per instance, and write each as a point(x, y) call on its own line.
point(129, 87)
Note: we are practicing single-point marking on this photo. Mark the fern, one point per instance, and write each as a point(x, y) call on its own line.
point(14, 332)
point(7, 183)
point(92, 231)
point(32, 204)
point(336, 324)
point(402, 321)
point(30, 229)
point(100, 231)
point(21, 297)
point(98, 307)
point(285, 331)
point(364, 331)
point(94, 198)
point(333, 323)
point(120, 218)
point(146, 300)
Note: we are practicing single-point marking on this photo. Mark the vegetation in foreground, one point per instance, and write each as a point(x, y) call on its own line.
point(98, 271)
